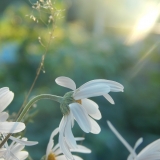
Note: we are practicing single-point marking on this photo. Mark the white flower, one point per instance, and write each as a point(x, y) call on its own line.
point(92, 88)
point(55, 153)
point(14, 150)
point(75, 105)
point(150, 152)
point(6, 96)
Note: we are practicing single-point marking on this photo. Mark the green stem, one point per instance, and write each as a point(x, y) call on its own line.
point(28, 106)
point(35, 99)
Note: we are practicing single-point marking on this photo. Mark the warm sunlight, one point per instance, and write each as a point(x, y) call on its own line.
point(145, 23)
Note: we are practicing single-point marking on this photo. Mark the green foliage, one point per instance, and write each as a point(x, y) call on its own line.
point(75, 52)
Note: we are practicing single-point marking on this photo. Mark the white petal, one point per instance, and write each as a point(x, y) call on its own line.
point(6, 97)
point(2, 151)
point(114, 86)
point(66, 82)
point(54, 133)
point(57, 152)
point(91, 91)
point(151, 148)
point(62, 143)
point(81, 116)
point(81, 149)
point(95, 128)
point(77, 158)
point(68, 133)
point(22, 155)
point(3, 116)
point(72, 119)
point(62, 157)
point(51, 142)
point(11, 156)
point(91, 108)
point(125, 143)
point(109, 98)
point(23, 142)
point(55, 147)
point(17, 147)
point(139, 141)
point(79, 138)
point(151, 156)
point(11, 127)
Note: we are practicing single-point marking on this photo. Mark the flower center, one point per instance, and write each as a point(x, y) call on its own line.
point(79, 101)
point(51, 156)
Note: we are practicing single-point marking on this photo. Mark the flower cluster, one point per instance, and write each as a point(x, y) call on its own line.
point(75, 106)
point(12, 151)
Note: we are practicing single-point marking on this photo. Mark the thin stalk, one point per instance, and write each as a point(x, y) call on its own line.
point(28, 106)
point(37, 74)
point(35, 99)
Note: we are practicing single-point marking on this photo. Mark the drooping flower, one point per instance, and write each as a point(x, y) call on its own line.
point(150, 152)
point(55, 153)
point(76, 105)
point(14, 150)
point(6, 96)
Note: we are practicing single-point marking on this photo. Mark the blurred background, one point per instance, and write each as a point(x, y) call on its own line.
point(116, 40)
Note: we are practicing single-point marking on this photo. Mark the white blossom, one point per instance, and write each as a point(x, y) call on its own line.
point(14, 150)
point(55, 153)
point(6, 96)
point(76, 105)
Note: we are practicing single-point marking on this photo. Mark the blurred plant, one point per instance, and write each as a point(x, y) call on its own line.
point(150, 152)
point(51, 14)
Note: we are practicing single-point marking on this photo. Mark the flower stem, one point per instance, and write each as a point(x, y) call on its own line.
point(28, 106)
point(35, 99)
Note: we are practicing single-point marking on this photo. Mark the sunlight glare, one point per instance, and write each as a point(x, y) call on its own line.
point(144, 24)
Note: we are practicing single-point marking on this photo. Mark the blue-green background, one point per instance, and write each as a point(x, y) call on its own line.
point(83, 52)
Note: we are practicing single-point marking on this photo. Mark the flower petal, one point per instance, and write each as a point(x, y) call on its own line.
point(22, 155)
point(79, 138)
point(11, 127)
point(125, 143)
point(139, 141)
point(62, 157)
point(91, 91)
point(77, 158)
point(2, 151)
point(68, 133)
point(91, 108)
point(114, 86)
point(81, 149)
point(54, 133)
point(81, 116)
point(150, 149)
point(6, 97)
point(3, 116)
point(95, 128)
point(51, 142)
point(109, 98)
point(66, 82)
point(57, 151)
point(62, 143)
point(23, 141)
point(17, 147)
